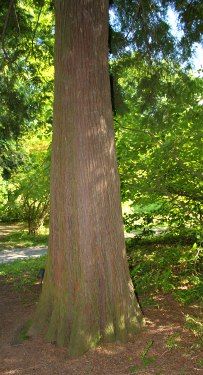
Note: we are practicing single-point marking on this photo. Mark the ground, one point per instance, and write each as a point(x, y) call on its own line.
point(15, 236)
point(165, 346)
point(14, 254)
point(170, 343)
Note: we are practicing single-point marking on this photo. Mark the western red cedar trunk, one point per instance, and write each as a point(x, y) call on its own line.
point(87, 295)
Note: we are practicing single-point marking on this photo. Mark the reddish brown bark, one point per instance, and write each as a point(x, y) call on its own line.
point(87, 295)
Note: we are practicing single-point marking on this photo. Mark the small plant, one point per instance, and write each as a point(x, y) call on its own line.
point(145, 359)
point(200, 363)
point(22, 273)
point(21, 333)
point(166, 268)
point(133, 369)
point(173, 341)
point(196, 326)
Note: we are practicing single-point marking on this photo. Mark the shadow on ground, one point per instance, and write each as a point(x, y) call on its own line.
point(163, 322)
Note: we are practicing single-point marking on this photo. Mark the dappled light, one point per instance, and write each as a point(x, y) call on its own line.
point(10, 255)
point(100, 187)
point(7, 229)
point(161, 339)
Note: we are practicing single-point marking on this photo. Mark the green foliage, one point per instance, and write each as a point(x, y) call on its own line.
point(156, 101)
point(26, 55)
point(22, 273)
point(200, 363)
point(28, 186)
point(133, 369)
point(3, 191)
point(158, 143)
point(23, 334)
point(26, 99)
point(173, 341)
point(145, 359)
point(195, 325)
point(158, 119)
point(26, 60)
point(143, 26)
point(26, 80)
point(167, 268)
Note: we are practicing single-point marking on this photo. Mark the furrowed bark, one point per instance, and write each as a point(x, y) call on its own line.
point(87, 295)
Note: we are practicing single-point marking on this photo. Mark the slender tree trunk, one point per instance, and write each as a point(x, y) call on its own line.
point(87, 295)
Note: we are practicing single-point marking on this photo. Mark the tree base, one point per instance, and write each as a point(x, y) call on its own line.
point(84, 323)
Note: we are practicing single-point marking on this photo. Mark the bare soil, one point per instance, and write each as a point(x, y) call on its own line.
point(34, 356)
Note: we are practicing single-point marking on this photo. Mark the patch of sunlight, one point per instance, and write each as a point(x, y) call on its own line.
point(194, 324)
point(108, 350)
point(126, 208)
point(109, 330)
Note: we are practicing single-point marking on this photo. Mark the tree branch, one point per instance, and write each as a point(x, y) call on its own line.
point(137, 130)
point(16, 16)
point(34, 32)
point(5, 27)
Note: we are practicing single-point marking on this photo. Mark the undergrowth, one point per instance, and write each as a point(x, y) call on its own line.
point(167, 268)
point(22, 273)
point(155, 266)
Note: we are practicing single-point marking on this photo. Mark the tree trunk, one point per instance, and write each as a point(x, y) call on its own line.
point(34, 226)
point(87, 295)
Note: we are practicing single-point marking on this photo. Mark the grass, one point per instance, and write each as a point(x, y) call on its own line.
point(145, 359)
point(165, 264)
point(195, 325)
point(154, 268)
point(17, 236)
point(173, 341)
point(167, 268)
point(156, 265)
point(22, 273)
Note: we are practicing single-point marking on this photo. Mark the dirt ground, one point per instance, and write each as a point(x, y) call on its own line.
point(34, 356)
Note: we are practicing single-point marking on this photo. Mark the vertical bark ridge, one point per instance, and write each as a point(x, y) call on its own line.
point(87, 295)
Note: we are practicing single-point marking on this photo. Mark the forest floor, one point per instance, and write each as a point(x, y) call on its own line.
point(166, 345)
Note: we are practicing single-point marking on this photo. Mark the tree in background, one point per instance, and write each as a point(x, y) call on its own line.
point(84, 308)
point(26, 79)
point(26, 100)
point(159, 141)
point(27, 197)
